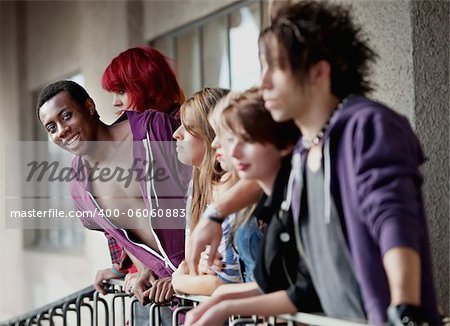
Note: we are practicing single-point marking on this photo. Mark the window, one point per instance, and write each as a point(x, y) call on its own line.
point(217, 51)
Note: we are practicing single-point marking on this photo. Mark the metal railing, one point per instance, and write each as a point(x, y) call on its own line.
point(303, 318)
point(88, 307)
point(71, 309)
point(57, 310)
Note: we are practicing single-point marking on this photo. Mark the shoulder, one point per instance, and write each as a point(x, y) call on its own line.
point(361, 111)
point(370, 134)
point(364, 124)
point(159, 125)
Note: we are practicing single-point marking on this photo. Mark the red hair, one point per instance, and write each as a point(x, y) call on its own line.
point(147, 78)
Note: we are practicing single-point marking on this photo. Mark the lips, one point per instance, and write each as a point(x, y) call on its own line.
point(269, 103)
point(72, 140)
point(242, 167)
point(179, 148)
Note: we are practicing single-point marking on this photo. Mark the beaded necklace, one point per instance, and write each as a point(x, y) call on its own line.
point(315, 140)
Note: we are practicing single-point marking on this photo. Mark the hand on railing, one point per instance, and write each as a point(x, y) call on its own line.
point(129, 281)
point(205, 233)
point(217, 265)
point(161, 291)
point(142, 283)
point(103, 276)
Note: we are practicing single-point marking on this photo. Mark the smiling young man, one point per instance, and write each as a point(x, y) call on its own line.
point(356, 197)
point(71, 120)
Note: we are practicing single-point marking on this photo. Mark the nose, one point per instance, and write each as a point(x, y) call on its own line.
point(235, 149)
point(63, 129)
point(116, 101)
point(266, 80)
point(178, 134)
point(215, 143)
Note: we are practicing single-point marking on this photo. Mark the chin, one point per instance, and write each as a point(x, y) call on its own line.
point(75, 151)
point(279, 116)
point(185, 159)
point(244, 175)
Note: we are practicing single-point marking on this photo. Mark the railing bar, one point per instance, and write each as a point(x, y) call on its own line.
point(318, 320)
point(133, 311)
point(113, 317)
point(78, 309)
point(96, 299)
point(123, 311)
point(177, 312)
point(105, 306)
point(91, 311)
point(242, 320)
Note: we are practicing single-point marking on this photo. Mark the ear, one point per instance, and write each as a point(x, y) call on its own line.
point(90, 106)
point(286, 151)
point(320, 72)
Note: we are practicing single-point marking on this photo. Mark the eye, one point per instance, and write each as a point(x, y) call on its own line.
point(66, 115)
point(51, 128)
point(121, 92)
point(191, 129)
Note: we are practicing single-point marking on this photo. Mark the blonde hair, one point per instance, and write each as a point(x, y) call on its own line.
point(215, 116)
point(200, 104)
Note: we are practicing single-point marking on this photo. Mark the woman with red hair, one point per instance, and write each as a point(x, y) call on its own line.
point(145, 89)
point(141, 78)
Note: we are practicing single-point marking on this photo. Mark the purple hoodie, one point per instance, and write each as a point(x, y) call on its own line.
point(371, 165)
point(152, 141)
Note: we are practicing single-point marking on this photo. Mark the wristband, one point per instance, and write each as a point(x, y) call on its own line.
point(215, 219)
point(116, 272)
point(404, 314)
point(212, 214)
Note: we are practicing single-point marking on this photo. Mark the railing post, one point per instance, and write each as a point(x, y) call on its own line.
point(133, 311)
point(152, 314)
point(122, 297)
point(91, 310)
point(177, 312)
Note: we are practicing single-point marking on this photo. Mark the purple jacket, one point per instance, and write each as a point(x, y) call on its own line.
point(152, 142)
point(372, 159)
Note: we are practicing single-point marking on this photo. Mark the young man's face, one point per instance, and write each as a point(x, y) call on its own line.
point(69, 124)
point(284, 96)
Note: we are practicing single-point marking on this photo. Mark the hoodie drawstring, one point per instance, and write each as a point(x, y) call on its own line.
point(327, 181)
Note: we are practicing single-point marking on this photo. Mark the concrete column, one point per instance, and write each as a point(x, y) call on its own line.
point(430, 35)
point(11, 300)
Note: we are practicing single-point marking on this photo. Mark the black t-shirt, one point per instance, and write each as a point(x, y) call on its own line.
point(279, 265)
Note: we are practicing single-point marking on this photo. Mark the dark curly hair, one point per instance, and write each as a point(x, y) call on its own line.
point(76, 92)
point(310, 31)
